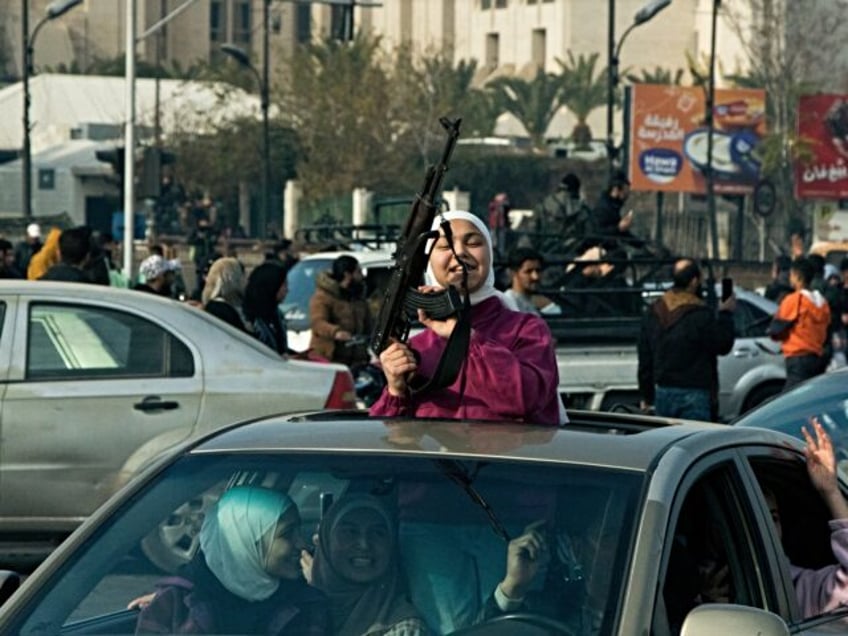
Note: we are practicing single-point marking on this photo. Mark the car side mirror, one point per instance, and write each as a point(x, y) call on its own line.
point(721, 618)
point(9, 583)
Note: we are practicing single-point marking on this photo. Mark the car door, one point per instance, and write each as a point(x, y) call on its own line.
point(713, 550)
point(755, 360)
point(802, 537)
point(89, 386)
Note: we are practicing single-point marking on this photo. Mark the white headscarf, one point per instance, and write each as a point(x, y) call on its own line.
point(488, 288)
point(233, 539)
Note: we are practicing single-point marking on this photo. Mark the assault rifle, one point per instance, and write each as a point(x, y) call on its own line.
point(401, 299)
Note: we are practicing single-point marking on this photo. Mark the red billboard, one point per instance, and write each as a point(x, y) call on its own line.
point(669, 138)
point(823, 124)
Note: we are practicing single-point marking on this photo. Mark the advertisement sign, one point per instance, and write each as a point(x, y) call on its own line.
point(669, 139)
point(823, 123)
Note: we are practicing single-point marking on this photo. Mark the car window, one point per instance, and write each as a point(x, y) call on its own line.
point(749, 321)
point(711, 555)
point(802, 536)
point(451, 517)
point(824, 397)
point(301, 284)
point(75, 342)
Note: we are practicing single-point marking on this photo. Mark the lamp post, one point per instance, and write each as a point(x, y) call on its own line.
point(710, 108)
point(241, 56)
point(643, 15)
point(54, 10)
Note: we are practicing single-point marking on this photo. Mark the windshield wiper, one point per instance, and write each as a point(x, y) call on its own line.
point(454, 471)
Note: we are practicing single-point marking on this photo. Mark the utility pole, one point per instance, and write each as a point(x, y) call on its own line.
point(26, 160)
point(711, 202)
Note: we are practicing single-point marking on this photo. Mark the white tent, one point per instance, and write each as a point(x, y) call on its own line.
point(62, 103)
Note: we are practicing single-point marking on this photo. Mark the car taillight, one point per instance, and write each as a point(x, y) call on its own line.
point(343, 394)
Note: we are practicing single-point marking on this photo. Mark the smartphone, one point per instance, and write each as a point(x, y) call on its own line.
point(726, 288)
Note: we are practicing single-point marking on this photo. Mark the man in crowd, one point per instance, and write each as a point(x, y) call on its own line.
point(158, 275)
point(806, 315)
point(338, 312)
point(607, 221)
point(74, 255)
point(680, 342)
point(562, 219)
point(25, 250)
point(525, 266)
point(8, 269)
point(779, 285)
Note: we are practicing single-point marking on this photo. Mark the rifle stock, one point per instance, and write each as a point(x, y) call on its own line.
point(393, 321)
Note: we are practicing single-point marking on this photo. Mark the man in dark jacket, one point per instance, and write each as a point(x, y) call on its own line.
point(74, 254)
point(679, 345)
point(338, 313)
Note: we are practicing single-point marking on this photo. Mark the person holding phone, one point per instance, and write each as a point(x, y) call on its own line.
point(679, 345)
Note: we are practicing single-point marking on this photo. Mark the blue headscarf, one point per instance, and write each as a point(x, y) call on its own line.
point(235, 543)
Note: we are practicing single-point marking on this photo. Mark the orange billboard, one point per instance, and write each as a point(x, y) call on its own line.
point(669, 138)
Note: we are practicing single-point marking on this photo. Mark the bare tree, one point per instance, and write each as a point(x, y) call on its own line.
point(792, 47)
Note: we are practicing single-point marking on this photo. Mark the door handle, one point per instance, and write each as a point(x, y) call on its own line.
point(155, 403)
point(744, 352)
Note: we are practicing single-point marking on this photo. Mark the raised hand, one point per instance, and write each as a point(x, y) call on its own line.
point(526, 554)
point(821, 467)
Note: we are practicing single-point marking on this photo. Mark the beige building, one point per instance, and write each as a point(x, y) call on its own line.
point(505, 36)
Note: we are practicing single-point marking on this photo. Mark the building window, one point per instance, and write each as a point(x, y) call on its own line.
point(532, 1)
point(492, 52)
point(485, 4)
point(217, 22)
point(500, 4)
point(242, 24)
point(303, 23)
point(537, 45)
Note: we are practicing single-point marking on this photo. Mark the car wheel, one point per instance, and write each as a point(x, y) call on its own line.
point(174, 541)
point(759, 395)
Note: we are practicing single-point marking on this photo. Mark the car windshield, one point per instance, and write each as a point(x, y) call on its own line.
point(301, 284)
point(452, 518)
point(824, 397)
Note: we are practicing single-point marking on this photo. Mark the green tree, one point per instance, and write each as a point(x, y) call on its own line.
point(340, 99)
point(533, 103)
point(657, 75)
point(583, 90)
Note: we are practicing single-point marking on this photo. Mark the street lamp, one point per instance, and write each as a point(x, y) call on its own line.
point(54, 10)
point(643, 15)
point(710, 107)
point(241, 56)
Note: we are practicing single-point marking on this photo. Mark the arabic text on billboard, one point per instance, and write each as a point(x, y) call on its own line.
point(823, 123)
point(669, 139)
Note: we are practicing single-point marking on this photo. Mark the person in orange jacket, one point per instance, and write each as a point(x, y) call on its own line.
point(46, 257)
point(808, 311)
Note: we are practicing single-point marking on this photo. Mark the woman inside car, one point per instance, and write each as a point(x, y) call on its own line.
point(245, 579)
point(356, 564)
point(510, 371)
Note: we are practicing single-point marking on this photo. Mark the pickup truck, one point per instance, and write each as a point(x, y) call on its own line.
point(597, 330)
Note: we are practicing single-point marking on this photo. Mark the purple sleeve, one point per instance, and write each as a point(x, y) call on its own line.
point(820, 591)
point(517, 382)
point(389, 406)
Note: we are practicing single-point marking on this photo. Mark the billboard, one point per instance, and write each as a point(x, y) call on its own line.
point(823, 123)
point(669, 138)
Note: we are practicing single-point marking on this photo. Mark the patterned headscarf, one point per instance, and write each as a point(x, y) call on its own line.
point(360, 608)
point(234, 539)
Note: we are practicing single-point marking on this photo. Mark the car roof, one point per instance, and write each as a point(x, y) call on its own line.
point(610, 440)
point(365, 257)
point(83, 290)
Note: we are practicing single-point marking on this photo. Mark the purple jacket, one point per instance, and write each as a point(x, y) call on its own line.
point(510, 372)
point(820, 591)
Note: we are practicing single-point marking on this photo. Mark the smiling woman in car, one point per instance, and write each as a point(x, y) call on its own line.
point(510, 371)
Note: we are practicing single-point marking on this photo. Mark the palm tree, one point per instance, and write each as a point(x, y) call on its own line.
point(534, 103)
point(582, 91)
point(658, 75)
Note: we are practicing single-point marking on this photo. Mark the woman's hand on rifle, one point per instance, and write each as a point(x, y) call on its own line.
point(399, 365)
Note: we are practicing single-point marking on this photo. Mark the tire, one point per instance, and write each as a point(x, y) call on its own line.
point(174, 541)
point(760, 394)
